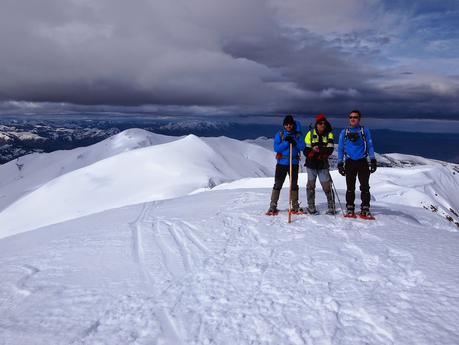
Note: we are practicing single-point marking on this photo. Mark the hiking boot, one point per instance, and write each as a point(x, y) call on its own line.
point(366, 214)
point(272, 211)
point(365, 210)
point(330, 203)
point(274, 199)
point(350, 213)
point(331, 211)
point(311, 196)
point(312, 210)
point(298, 210)
point(295, 203)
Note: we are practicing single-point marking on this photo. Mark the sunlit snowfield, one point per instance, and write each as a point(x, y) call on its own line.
point(149, 239)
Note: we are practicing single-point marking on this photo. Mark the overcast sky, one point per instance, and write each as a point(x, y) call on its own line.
point(387, 58)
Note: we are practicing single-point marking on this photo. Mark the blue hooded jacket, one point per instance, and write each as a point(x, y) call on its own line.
point(283, 146)
point(355, 150)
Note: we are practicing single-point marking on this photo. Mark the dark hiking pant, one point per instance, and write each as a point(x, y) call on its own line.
point(360, 169)
point(281, 174)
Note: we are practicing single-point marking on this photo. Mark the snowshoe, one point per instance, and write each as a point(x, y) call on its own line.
point(272, 212)
point(330, 212)
point(350, 214)
point(366, 215)
point(298, 210)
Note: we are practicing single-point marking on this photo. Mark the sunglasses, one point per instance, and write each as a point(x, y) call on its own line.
point(321, 123)
point(354, 117)
point(288, 125)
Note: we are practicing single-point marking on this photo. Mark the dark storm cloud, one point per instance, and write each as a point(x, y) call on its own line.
point(117, 53)
point(244, 56)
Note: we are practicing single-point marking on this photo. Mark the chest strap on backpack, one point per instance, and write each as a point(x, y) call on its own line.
point(364, 138)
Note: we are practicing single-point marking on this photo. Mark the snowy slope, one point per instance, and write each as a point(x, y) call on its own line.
point(431, 187)
point(162, 264)
point(29, 172)
point(125, 174)
point(220, 272)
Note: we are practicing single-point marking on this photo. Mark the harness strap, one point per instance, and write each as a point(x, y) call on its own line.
point(364, 138)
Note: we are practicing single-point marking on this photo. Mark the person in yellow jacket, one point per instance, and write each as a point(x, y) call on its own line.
point(319, 146)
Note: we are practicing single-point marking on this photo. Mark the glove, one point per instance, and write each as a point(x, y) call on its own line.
point(341, 169)
point(290, 140)
point(373, 166)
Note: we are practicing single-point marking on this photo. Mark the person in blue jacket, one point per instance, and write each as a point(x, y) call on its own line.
point(290, 134)
point(355, 145)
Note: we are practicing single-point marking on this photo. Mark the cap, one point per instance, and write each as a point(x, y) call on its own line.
point(320, 117)
point(289, 119)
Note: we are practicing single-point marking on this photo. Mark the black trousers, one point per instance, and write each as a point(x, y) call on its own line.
point(281, 174)
point(361, 170)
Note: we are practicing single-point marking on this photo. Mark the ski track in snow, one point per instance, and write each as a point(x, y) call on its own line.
point(239, 277)
point(22, 283)
point(241, 251)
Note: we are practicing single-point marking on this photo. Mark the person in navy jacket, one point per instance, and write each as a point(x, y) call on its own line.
point(355, 146)
point(290, 134)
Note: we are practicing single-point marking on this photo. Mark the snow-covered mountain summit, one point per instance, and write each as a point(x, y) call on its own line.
point(29, 173)
point(129, 168)
point(149, 239)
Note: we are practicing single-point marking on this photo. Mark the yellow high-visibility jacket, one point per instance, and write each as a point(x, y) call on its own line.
point(325, 143)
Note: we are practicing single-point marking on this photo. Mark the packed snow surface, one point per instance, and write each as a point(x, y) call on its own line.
point(146, 239)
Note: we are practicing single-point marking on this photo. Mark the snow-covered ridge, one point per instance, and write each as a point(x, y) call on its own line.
point(132, 167)
point(194, 125)
point(29, 172)
point(7, 137)
point(138, 166)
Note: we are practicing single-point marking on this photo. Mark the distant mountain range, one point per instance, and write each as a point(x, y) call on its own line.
point(18, 139)
point(21, 136)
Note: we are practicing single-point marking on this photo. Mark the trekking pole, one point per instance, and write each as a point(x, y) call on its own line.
point(290, 191)
point(336, 192)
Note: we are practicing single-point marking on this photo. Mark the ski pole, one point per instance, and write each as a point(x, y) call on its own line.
point(336, 192)
point(290, 191)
